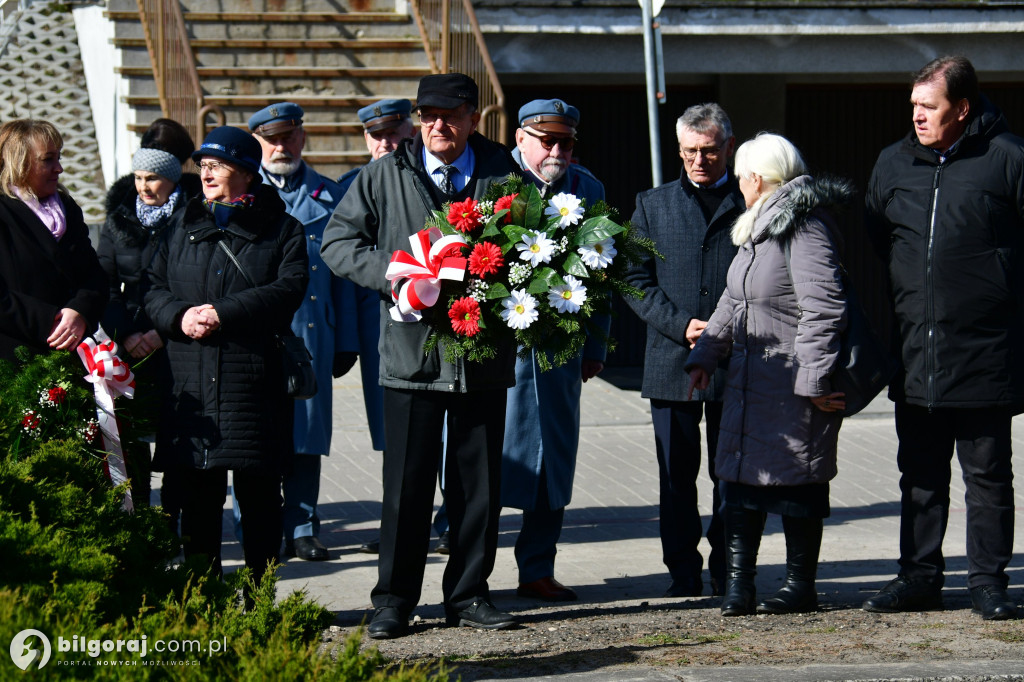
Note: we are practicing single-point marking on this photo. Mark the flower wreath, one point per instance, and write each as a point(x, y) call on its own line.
point(514, 267)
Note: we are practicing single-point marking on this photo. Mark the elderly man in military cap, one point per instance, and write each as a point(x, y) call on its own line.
point(310, 198)
point(385, 124)
point(390, 200)
point(543, 415)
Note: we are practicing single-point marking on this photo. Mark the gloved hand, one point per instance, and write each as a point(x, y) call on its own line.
point(343, 361)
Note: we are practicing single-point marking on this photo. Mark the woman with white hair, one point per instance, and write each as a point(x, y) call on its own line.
point(780, 319)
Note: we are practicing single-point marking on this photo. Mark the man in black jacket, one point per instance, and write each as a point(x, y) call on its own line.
point(689, 220)
point(390, 200)
point(945, 205)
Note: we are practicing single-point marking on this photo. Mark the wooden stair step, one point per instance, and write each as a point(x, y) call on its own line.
point(290, 44)
point(276, 17)
point(291, 71)
point(312, 127)
point(304, 101)
point(321, 158)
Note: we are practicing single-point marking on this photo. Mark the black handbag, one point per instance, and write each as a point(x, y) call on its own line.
point(864, 365)
point(296, 362)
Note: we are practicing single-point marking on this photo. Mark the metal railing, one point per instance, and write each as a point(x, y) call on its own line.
point(453, 42)
point(174, 67)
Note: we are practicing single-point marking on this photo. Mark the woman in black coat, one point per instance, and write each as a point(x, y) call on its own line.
point(226, 406)
point(52, 288)
point(140, 207)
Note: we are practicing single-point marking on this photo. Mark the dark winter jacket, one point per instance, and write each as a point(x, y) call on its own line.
point(226, 405)
point(126, 248)
point(954, 238)
point(389, 201)
point(685, 285)
point(40, 275)
point(784, 341)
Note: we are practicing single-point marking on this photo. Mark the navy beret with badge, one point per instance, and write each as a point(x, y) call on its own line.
point(233, 145)
point(387, 113)
point(552, 116)
point(277, 118)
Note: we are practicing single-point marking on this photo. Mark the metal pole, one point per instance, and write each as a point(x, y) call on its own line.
point(650, 67)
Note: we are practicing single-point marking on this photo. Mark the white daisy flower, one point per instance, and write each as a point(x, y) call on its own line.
point(598, 256)
point(568, 297)
point(536, 249)
point(520, 309)
point(565, 207)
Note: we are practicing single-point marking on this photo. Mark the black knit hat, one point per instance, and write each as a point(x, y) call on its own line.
point(233, 145)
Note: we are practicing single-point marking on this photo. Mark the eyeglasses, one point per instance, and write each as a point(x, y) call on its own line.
point(709, 153)
point(216, 168)
point(451, 119)
point(549, 141)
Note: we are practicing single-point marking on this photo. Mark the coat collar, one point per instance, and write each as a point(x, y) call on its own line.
point(247, 224)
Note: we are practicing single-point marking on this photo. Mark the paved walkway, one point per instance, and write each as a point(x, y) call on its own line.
point(610, 550)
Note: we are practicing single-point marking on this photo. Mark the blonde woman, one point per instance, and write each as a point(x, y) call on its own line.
point(52, 288)
point(780, 319)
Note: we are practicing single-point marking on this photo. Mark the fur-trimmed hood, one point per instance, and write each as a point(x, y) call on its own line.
point(122, 221)
point(797, 200)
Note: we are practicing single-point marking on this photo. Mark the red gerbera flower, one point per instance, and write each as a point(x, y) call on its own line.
point(485, 259)
point(503, 203)
point(463, 215)
point(465, 314)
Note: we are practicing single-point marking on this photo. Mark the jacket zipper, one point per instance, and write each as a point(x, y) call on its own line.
point(929, 354)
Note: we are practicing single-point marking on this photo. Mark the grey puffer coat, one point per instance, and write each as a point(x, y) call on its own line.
point(784, 340)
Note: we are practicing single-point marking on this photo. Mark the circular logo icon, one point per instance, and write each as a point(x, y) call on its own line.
point(24, 654)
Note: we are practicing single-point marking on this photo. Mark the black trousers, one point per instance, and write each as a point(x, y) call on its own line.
point(677, 441)
point(259, 501)
point(413, 422)
point(982, 440)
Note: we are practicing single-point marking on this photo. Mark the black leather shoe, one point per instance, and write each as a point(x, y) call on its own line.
point(443, 545)
point(371, 547)
point(793, 597)
point(905, 594)
point(387, 623)
point(480, 614)
point(992, 602)
point(308, 549)
point(680, 589)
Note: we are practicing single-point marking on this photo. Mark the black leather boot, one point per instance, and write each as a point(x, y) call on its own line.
point(743, 529)
point(803, 543)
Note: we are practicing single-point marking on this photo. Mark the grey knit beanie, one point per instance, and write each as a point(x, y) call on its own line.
point(157, 161)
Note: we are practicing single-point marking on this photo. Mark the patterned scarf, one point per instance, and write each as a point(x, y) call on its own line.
point(223, 210)
point(153, 215)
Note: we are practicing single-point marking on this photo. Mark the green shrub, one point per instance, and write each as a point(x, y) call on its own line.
point(78, 567)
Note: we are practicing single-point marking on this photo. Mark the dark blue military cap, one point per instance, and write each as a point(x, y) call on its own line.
point(387, 113)
point(277, 118)
point(552, 116)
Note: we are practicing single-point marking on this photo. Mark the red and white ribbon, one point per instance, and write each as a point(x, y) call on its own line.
point(416, 277)
point(110, 378)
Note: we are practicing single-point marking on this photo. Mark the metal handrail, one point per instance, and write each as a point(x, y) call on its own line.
point(174, 66)
point(453, 42)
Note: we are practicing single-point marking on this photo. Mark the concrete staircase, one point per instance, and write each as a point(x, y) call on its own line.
point(331, 57)
point(41, 76)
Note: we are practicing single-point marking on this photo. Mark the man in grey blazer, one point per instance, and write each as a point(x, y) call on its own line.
point(689, 220)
